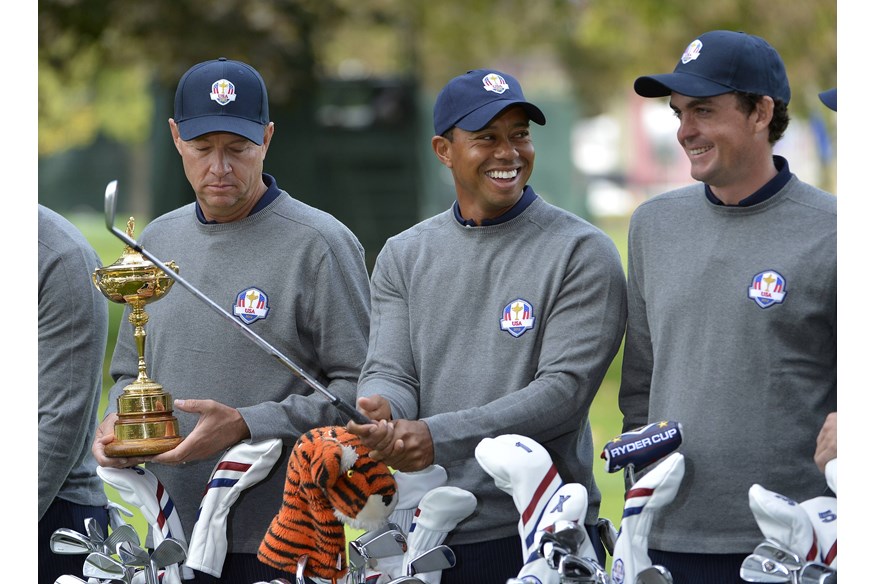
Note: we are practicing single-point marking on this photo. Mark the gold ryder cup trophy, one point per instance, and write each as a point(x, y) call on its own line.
point(146, 424)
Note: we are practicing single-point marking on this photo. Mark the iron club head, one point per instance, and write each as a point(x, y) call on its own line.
point(438, 558)
point(70, 542)
point(576, 569)
point(122, 533)
point(758, 568)
point(132, 554)
point(109, 204)
point(655, 574)
point(780, 554)
point(816, 573)
point(299, 569)
point(104, 567)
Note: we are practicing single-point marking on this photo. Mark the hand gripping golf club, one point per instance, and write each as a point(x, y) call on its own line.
point(110, 215)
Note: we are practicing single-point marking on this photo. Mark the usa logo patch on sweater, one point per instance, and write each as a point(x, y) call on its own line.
point(517, 317)
point(251, 305)
point(767, 288)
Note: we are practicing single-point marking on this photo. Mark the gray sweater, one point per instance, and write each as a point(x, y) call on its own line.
point(750, 382)
point(440, 350)
point(72, 334)
point(311, 270)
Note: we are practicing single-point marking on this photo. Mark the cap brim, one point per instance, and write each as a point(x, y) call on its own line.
point(195, 127)
point(480, 117)
point(828, 98)
point(683, 83)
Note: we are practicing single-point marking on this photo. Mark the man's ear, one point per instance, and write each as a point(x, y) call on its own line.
point(441, 147)
point(174, 133)
point(764, 110)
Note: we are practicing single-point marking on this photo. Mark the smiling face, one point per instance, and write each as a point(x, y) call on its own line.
point(728, 149)
point(225, 171)
point(491, 166)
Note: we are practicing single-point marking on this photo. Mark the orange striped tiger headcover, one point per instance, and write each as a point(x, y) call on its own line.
point(330, 481)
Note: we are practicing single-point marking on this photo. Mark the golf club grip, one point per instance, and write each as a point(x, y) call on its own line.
point(354, 414)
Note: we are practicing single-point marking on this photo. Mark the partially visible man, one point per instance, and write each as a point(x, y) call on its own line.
point(732, 307)
point(497, 316)
point(244, 242)
point(73, 319)
point(826, 444)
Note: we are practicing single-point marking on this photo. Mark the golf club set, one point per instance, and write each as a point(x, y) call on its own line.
point(561, 548)
point(117, 557)
point(366, 551)
point(800, 539)
point(773, 562)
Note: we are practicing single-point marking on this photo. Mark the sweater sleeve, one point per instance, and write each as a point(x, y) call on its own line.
point(338, 329)
point(72, 334)
point(638, 359)
point(389, 368)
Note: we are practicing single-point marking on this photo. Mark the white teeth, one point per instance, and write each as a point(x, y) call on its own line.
point(502, 173)
point(696, 151)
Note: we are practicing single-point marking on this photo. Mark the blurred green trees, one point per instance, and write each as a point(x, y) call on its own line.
point(99, 59)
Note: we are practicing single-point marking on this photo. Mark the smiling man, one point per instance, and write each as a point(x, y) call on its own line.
point(498, 316)
point(732, 307)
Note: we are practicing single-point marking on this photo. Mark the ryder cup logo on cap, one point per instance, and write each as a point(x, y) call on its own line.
point(470, 101)
point(495, 82)
point(251, 305)
point(221, 96)
point(692, 51)
point(223, 92)
point(517, 317)
point(722, 61)
point(767, 288)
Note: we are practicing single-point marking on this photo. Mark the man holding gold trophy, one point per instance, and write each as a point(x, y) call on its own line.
point(292, 273)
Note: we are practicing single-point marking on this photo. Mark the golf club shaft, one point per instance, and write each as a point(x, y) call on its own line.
point(350, 411)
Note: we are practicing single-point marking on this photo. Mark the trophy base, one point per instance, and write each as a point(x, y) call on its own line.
point(143, 447)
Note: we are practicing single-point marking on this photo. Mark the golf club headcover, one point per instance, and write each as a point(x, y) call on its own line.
point(439, 512)
point(830, 475)
point(784, 521)
point(641, 447)
point(138, 486)
point(568, 503)
point(115, 512)
point(650, 493)
point(411, 488)
point(242, 466)
point(331, 481)
point(521, 467)
point(822, 512)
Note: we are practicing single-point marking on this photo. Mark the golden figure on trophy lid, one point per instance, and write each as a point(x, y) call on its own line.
point(146, 424)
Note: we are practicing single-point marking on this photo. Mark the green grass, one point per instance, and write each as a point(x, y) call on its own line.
point(605, 418)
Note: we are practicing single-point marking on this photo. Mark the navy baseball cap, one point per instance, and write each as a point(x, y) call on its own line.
point(221, 96)
point(828, 98)
point(719, 62)
point(470, 101)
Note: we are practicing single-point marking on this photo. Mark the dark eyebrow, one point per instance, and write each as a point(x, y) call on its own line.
point(693, 103)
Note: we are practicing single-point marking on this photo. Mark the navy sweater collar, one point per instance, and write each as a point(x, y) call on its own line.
point(525, 200)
